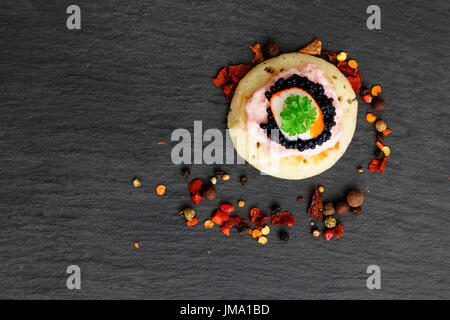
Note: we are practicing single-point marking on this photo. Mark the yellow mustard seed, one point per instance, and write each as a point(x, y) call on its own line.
point(265, 231)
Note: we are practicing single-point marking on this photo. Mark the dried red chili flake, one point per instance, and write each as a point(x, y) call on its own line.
point(195, 186)
point(378, 165)
point(328, 235)
point(256, 49)
point(222, 78)
point(344, 67)
point(228, 90)
point(197, 198)
point(315, 210)
point(227, 208)
point(332, 56)
point(338, 230)
point(283, 218)
point(257, 218)
point(232, 221)
point(355, 82)
point(220, 217)
point(237, 72)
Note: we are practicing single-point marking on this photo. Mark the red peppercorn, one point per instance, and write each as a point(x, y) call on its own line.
point(328, 235)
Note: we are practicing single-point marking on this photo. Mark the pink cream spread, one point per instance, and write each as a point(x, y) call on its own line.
point(256, 113)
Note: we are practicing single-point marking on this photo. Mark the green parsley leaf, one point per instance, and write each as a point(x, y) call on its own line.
point(298, 115)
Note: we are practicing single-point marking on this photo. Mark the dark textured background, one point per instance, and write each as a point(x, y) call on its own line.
point(81, 114)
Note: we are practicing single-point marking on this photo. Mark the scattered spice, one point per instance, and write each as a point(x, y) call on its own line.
point(226, 177)
point(284, 236)
point(379, 145)
point(330, 222)
point(271, 50)
point(380, 125)
point(244, 180)
point(160, 189)
point(188, 213)
point(316, 233)
point(209, 192)
point(367, 98)
point(386, 132)
point(257, 218)
point(381, 137)
point(331, 55)
point(378, 165)
point(192, 222)
point(161, 142)
point(342, 207)
point(338, 230)
point(359, 169)
point(196, 198)
point(208, 224)
point(386, 150)
point(136, 245)
point(355, 198)
point(241, 203)
point(232, 221)
point(300, 199)
point(316, 208)
point(329, 209)
point(283, 218)
point(355, 83)
point(220, 217)
point(342, 56)
point(219, 174)
point(375, 90)
point(227, 208)
point(243, 228)
point(256, 233)
point(344, 67)
point(195, 186)
point(321, 189)
point(136, 183)
point(256, 49)
point(186, 172)
point(370, 117)
point(228, 78)
point(265, 231)
point(312, 223)
point(262, 240)
point(378, 104)
point(353, 64)
point(328, 235)
point(357, 211)
point(314, 48)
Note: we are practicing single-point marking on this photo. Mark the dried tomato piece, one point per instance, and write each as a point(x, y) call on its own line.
point(227, 208)
point(313, 48)
point(195, 186)
point(232, 221)
point(332, 56)
point(338, 230)
point(256, 49)
point(378, 165)
point(257, 218)
point(316, 209)
point(355, 82)
point(197, 198)
point(222, 78)
point(237, 72)
point(283, 218)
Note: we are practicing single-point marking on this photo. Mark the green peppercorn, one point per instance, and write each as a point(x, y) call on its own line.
point(330, 222)
point(329, 209)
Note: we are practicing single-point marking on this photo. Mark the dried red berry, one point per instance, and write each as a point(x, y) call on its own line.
point(338, 230)
point(283, 218)
point(197, 198)
point(367, 98)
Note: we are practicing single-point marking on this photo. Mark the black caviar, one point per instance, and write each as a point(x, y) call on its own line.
point(325, 104)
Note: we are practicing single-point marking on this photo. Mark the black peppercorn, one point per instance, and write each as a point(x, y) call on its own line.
point(357, 211)
point(276, 209)
point(381, 137)
point(284, 236)
point(244, 180)
point(186, 172)
point(243, 228)
point(271, 50)
point(379, 155)
point(219, 174)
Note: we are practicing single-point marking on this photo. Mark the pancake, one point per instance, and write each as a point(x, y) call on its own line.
point(293, 167)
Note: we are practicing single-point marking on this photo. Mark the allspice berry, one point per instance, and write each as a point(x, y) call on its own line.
point(342, 207)
point(357, 211)
point(330, 222)
point(209, 192)
point(378, 104)
point(271, 50)
point(355, 198)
